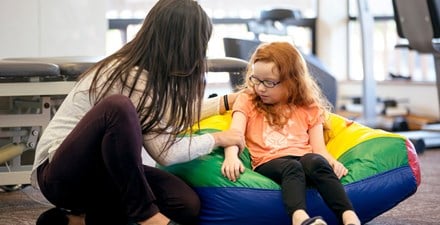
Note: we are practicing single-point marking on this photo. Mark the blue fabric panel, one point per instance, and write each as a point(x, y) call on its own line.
point(378, 194)
point(237, 206)
point(240, 206)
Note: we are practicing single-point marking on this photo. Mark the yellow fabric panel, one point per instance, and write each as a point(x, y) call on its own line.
point(345, 134)
point(220, 122)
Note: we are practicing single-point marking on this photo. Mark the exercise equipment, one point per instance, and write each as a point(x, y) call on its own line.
point(419, 23)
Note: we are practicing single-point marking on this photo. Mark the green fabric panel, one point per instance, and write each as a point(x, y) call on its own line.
point(373, 157)
point(205, 171)
point(364, 160)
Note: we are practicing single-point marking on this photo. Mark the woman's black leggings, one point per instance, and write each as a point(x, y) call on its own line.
point(294, 173)
point(98, 170)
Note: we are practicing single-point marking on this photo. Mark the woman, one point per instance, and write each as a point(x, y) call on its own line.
point(148, 94)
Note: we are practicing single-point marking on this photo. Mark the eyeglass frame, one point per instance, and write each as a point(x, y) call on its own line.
point(266, 83)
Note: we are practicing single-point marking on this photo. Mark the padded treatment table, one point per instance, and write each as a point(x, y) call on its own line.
point(227, 64)
point(70, 67)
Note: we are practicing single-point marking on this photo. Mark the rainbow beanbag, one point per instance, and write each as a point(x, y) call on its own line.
point(383, 171)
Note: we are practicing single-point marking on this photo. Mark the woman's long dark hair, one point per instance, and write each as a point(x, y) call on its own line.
point(171, 45)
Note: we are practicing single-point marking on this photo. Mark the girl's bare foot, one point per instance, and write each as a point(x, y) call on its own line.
point(349, 217)
point(299, 216)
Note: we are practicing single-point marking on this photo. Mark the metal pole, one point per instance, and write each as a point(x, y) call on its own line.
point(369, 83)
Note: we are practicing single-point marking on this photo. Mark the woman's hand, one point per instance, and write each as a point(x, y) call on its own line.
point(229, 138)
point(339, 169)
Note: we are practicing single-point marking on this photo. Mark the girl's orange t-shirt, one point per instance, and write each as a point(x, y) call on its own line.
point(265, 142)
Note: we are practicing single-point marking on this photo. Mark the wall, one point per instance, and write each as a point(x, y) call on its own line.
point(332, 36)
point(32, 28)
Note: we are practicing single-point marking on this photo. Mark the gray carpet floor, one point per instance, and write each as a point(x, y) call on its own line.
point(22, 207)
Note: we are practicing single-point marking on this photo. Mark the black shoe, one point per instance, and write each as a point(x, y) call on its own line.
point(317, 220)
point(53, 216)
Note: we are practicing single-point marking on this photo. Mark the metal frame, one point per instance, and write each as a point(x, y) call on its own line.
point(14, 172)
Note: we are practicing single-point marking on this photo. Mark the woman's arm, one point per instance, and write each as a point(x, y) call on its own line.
point(188, 148)
point(216, 105)
point(232, 165)
point(317, 142)
point(184, 150)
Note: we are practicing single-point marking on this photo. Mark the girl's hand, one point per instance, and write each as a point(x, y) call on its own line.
point(232, 167)
point(339, 169)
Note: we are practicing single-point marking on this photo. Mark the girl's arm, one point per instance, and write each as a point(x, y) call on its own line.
point(317, 142)
point(232, 165)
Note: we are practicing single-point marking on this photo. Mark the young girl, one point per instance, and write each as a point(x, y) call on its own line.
point(282, 117)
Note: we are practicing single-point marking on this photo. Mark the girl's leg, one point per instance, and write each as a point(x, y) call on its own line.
point(321, 175)
point(288, 172)
point(98, 167)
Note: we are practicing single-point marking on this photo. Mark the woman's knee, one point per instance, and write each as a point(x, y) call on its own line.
point(117, 101)
point(119, 107)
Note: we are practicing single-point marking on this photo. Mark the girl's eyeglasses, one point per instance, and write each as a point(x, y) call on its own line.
point(266, 83)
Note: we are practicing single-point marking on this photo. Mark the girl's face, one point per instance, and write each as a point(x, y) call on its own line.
point(266, 83)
